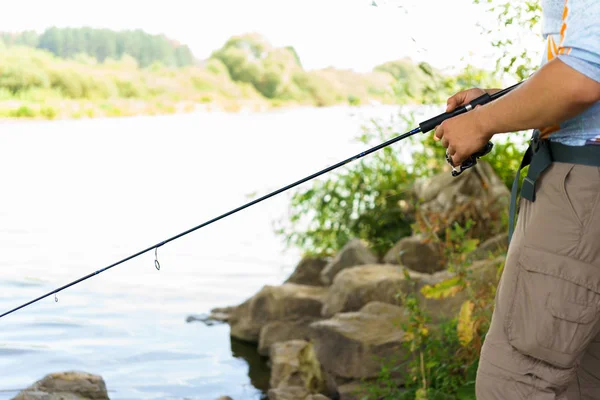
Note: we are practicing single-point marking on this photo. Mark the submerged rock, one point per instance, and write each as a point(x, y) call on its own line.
point(354, 253)
point(72, 385)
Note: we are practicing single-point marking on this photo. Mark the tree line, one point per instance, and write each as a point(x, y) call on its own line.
point(101, 44)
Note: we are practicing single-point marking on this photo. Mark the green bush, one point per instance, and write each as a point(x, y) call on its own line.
point(23, 112)
point(360, 201)
point(48, 112)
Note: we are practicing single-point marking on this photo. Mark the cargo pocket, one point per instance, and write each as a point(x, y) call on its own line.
point(555, 312)
point(581, 191)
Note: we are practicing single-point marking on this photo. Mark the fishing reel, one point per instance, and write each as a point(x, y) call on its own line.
point(469, 162)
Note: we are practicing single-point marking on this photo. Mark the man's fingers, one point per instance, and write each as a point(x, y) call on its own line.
point(455, 101)
point(451, 151)
point(438, 133)
point(445, 142)
point(457, 159)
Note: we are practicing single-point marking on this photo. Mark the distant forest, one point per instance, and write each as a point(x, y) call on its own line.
point(103, 44)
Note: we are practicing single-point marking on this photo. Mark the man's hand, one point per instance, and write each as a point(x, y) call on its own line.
point(462, 98)
point(463, 135)
point(555, 93)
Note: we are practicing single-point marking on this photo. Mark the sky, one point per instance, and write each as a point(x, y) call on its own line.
point(350, 34)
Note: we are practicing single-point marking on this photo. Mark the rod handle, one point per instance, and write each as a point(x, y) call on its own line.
point(431, 123)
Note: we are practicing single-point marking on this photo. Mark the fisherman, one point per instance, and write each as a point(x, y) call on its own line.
point(544, 338)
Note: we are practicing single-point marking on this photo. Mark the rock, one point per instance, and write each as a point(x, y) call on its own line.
point(208, 319)
point(354, 253)
point(416, 254)
point(308, 272)
point(384, 310)
point(72, 385)
point(492, 246)
point(353, 391)
point(477, 194)
point(294, 363)
point(484, 272)
point(224, 398)
point(294, 393)
point(282, 331)
point(288, 393)
point(354, 345)
point(275, 303)
point(216, 314)
point(355, 287)
point(358, 391)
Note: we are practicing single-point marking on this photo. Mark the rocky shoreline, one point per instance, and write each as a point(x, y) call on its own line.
point(329, 328)
point(332, 324)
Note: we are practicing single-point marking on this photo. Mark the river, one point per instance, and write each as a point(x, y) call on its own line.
point(79, 195)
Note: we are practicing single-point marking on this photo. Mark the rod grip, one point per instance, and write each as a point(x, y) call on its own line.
point(431, 123)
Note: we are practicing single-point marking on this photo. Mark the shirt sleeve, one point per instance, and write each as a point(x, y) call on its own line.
point(580, 37)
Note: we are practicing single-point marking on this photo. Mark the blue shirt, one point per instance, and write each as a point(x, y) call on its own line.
point(571, 29)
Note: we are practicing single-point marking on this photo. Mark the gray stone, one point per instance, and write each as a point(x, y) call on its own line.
point(71, 385)
point(282, 331)
point(294, 393)
point(478, 194)
point(308, 272)
point(354, 253)
point(353, 345)
point(294, 363)
point(416, 254)
point(491, 247)
point(287, 302)
point(355, 287)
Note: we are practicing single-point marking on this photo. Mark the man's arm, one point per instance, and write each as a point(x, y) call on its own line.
point(554, 94)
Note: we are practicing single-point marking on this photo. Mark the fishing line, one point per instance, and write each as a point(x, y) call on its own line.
point(424, 127)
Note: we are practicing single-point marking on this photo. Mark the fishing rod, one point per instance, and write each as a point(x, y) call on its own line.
point(424, 127)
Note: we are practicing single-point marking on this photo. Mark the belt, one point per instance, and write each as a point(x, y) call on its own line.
point(539, 155)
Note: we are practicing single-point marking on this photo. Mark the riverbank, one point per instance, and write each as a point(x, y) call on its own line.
point(77, 109)
point(358, 326)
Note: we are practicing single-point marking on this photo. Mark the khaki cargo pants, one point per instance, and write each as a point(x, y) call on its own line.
point(544, 339)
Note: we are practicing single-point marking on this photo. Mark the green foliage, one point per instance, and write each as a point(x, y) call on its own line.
point(103, 44)
point(363, 201)
point(516, 20)
point(23, 112)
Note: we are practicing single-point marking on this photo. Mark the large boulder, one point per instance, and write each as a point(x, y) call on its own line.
point(294, 393)
point(308, 272)
point(477, 194)
point(482, 273)
point(294, 363)
point(361, 390)
point(287, 302)
point(354, 345)
point(354, 253)
point(71, 385)
point(355, 287)
point(282, 331)
point(493, 246)
point(416, 254)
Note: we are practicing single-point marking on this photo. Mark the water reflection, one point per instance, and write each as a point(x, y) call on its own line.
point(258, 368)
